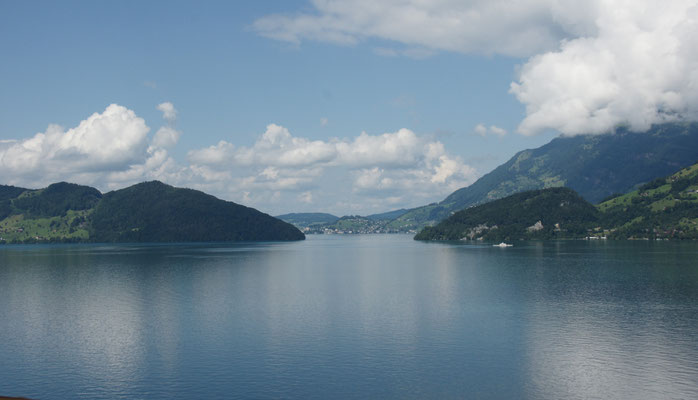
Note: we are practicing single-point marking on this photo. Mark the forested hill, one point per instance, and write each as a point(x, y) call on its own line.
point(595, 166)
point(537, 214)
point(146, 212)
point(665, 208)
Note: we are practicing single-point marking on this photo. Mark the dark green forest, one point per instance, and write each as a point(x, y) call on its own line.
point(146, 212)
point(156, 212)
point(57, 199)
point(664, 208)
point(538, 214)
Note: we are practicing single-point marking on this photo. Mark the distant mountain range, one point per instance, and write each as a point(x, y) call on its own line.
point(328, 223)
point(663, 208)
point(146, 212)
point(595, 166)
point(306, 220)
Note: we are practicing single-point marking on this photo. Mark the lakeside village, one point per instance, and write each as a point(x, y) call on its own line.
point(362, 226)
point(361, 229)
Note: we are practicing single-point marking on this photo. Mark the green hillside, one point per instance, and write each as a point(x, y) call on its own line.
point(7, 193)
point(147, 212)
point(595, 166)
point(57, 199)
point(537, 214)
point(662, 208)
point(328, 223)
point(352, 224)
point(665, 208)
point(388, 216)
point(58, 213)
point(306, 220)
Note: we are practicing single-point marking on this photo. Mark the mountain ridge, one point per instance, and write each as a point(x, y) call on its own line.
point(665, 208)
point(145, 212)
point(596, 166)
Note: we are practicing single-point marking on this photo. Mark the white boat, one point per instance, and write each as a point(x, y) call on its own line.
point(502, 245)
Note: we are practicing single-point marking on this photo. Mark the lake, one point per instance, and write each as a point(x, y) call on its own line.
point(366, 316)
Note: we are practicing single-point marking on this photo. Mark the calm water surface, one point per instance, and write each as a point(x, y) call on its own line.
point(350, 317)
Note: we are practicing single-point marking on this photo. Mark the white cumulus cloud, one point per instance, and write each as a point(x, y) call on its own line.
point(397, 164)
point(167, 136)
point(639, 67)
point(275, 147)
point(103, 149)
point(280, 171)
point(169, 112)
point(111, 140)
point(399, 148)
point(590, 65)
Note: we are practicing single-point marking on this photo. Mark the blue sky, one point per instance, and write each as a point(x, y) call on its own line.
point(347, 107)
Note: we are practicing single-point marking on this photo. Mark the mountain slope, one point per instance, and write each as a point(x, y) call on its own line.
point(59, 212)
point(665, 208)
point(595, 166)
point(57, 199)
point(147, 212)
point(156, 212)
point(328, 223)
point(390, 215)
point(7, 193)
point(537, 214)
point(305, 220)
point(352, 224)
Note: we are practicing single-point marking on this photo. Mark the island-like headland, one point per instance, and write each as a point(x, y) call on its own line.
point(145, 212)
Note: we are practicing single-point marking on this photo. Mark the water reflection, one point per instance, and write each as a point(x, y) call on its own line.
point(620, 328)
point(363, 316)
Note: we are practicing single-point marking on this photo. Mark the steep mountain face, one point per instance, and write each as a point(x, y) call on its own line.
point(595, 166)
point(147, 212)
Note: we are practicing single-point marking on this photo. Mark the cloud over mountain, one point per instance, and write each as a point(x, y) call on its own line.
point(639, 68)
point(391, 164)
point(590, 67)
point(113, 149)
point(102, 143)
